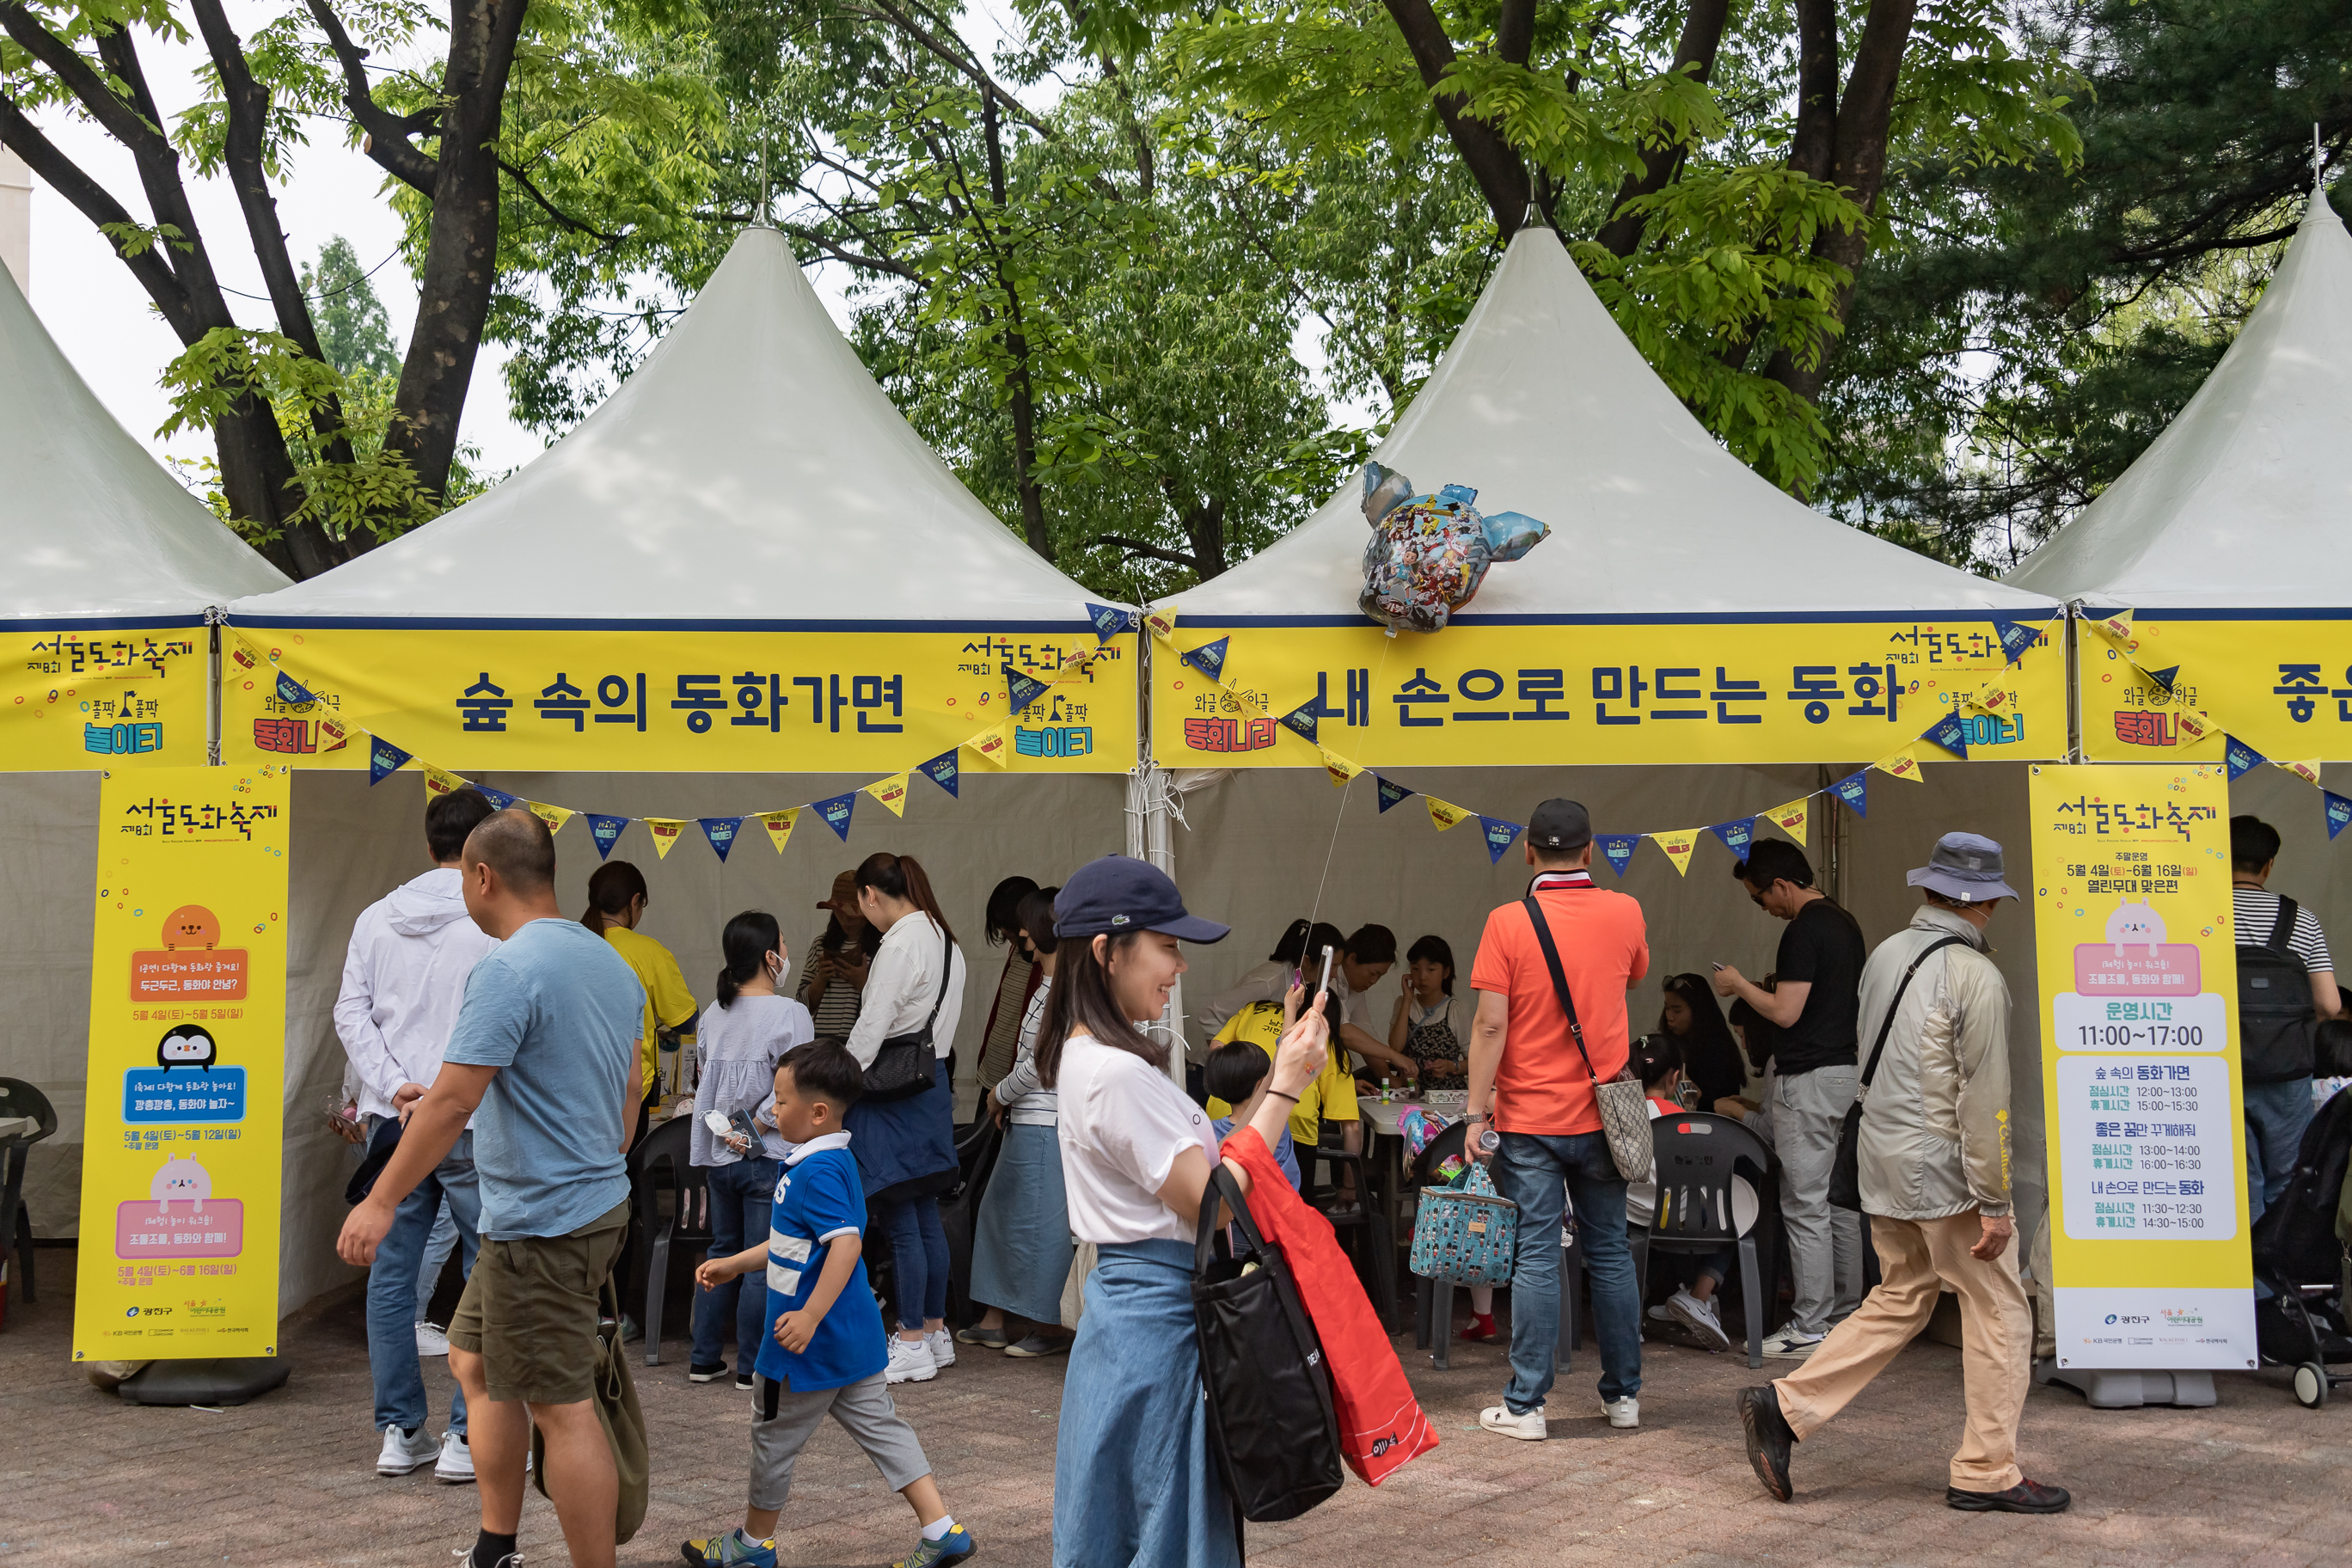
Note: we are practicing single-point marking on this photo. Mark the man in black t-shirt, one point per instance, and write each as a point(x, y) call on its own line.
point(1815, 1001)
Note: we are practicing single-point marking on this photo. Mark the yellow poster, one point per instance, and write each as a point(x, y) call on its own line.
point(729, 701)
point(1568, 694)
point(183, 1135)
point(86, 695)
point(2282, 687)
point(2148, 1232)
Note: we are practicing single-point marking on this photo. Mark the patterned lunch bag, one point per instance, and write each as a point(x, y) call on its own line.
point(1465, 1233)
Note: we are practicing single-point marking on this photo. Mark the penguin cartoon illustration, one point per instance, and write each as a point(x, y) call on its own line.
point(187, 1046)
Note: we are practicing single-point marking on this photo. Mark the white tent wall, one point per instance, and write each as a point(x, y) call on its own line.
point(49, 851)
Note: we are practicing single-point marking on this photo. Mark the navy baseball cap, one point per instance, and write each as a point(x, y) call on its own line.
point(1118, 895)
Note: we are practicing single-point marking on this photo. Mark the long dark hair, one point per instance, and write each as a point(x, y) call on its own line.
point(1437, 950)
point(1081, 1002)
point(1302, 935)
point(1035, 918)
point(869, 940)
point(1710, 1056)
point(900, 876)
point(612, 888)
point(1763, 1034)
point(1004, 909)
point(749, 939)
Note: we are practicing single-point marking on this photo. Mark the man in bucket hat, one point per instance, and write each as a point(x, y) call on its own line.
point(1935, 1180)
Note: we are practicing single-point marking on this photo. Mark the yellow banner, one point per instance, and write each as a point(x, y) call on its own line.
point(99, 698)
point(2148, 1229)
point(2282, 687)
point(1552, 695)
point(183, 1128)
point(624, 700)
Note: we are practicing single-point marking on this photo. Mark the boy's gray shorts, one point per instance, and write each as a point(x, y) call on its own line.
point(782, 1421)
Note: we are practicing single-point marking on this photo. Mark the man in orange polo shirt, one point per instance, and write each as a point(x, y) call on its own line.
point(1529, 1083)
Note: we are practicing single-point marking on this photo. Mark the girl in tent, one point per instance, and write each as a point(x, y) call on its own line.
point(617, 901)
point(1001, 1038)
point(833, 984)
point(1710, 1056)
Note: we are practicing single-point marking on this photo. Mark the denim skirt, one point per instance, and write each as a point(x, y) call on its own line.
point(1021, 1245)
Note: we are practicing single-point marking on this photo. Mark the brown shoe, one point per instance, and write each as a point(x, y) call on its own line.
point(1769, 1438)
point(2026, 1497)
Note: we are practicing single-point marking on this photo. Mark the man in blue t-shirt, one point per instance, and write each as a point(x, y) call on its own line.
point(542, 1060)
point(826, 1351)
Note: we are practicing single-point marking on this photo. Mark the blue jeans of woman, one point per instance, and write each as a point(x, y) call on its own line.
point(1533, 1170)
point(739, 1196)
point(918, 1260)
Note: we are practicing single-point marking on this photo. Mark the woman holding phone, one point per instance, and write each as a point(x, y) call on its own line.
point(1134, 1480)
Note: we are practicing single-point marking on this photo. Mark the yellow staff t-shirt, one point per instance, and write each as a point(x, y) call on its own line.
point(668, 1004)
point(1331, 1095)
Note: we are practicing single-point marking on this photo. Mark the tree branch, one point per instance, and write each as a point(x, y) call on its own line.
point(1137, 547)
point(1493, 162)
point(22, 137)
point(963, 63)
point(387, 133)
point(841, 253)
point(1695, 57)
point(551, 210)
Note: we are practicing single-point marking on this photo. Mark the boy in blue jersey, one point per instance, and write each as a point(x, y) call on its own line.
point(826, 1351)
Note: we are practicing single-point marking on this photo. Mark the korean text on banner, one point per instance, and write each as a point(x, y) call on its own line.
point(102, 698)
point(2282, 687)
point(183, 1132)
point(2151, 1266)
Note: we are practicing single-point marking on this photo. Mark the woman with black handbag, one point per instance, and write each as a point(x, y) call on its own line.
point(903, 1129)
point(1135, 1477)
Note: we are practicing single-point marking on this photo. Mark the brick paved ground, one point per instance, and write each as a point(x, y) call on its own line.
point(85, 1478)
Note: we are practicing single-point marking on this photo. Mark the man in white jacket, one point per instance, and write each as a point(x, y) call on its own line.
point(404, 981)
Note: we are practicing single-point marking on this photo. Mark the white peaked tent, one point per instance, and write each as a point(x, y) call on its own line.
point(99, 540)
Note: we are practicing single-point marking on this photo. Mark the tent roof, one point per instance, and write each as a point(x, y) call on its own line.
point(749, 471)
point(2240, 503)
point(1544, 407)
point(91, 526)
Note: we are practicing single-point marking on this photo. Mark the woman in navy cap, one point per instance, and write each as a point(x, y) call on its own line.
point(1134, 1480)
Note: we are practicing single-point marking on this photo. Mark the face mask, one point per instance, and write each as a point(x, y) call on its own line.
point(777, 972)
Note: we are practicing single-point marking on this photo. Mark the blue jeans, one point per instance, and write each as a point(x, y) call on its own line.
point(391, 1288)
point(1531, 1169)
point(918, 1260)
point(739, 1196)
point(437, 1248)
point(2276, 1115)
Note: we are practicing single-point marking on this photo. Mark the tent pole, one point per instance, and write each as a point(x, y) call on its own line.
point(1148, 839)
point(2073, 683)
point(213, 687)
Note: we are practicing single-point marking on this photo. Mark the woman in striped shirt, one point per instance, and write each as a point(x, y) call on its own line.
point(833, 987)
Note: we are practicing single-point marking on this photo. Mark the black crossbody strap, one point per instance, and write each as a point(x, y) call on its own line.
point(947, 963)
point(1887, 1024)
point(1560, 982)
point(2283, 933)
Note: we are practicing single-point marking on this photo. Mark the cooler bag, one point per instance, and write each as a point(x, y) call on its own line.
point(1465, 1233)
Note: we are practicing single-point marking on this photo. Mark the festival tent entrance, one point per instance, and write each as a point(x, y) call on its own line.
point(1690, 649)
point(743, 585)
point(112, 568)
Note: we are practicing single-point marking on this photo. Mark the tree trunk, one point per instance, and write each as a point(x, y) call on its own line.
point(1694, 54)
point(1501, 175)
point(1021, 391)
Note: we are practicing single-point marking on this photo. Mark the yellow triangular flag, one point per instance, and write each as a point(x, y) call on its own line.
point(989, 746)
point(779, 825)
point(1343, 772)
point(1161, 624)
point(1678, 845)
point(1903, 764)
point(891, 792)
point(1444, 813)
point(440, 781)
point(665, 832)
point(1992, 699)
point(555, 817)
point(2307, 772)
point(2194, 725)
point(1790, 818)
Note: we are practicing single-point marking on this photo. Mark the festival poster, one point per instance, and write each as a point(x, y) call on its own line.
point(2151, 1266)
point(103, 694)
point(183, 1136)
point(2281, 684)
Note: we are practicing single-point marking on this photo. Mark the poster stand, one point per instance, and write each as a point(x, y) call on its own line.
point(2109, 1388)
point(227, 1379)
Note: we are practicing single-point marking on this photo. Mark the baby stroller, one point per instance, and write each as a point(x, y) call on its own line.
point(2298, 1255)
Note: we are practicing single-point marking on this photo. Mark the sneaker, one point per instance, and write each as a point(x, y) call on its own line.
point(745, 1383)
point(431, 1339)
point(910, 1362)
point(1039, 1344)
point(1658, 1314)
point(1623, 1414)
point(942, 1345)
point(953, 1547)
point(986, 1338)
point(405, 1451)
point(1529, 1428)
point(1769, 1438)
point(729, 1550)
point(1790, 1342)
point(1699, 1318)
point(2026, 1497)
point(465, 1556)
point(1481, 1331)
point(456, 1462)
point(701, 1372)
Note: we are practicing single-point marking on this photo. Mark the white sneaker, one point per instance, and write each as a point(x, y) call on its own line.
point(1624, 1413)
point(1788, 1343)
point(456, 1462)
point(1699, 1317)
point(404, 1451)
point(431, 1340)
point(942, 1345)
point(910, 1362)
point(1659, 1314)
point(1529, 1428)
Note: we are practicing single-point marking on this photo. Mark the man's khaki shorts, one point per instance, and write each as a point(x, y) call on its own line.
point(530, 1307)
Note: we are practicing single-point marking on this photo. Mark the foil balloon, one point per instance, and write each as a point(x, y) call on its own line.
point(1429, 553)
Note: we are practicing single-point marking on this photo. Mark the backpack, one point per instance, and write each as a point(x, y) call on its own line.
point(2277, 1023)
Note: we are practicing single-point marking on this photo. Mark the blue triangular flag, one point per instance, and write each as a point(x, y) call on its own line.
point(1023, 689)
point(499, 799)
point(1208, 659)
point(1737, 836)
point(941, 770)
point(835, 813)
point(1854, 790)
point(1390, 791)
point(1500, 836)
point(2164, 676)
point(292, 690)
point(1301, 721)
point(2339, 813)
point(607, 832)
point(2015, 637)
point(1107, 621)
point(385, 759)
point(1949, 732)
point(1618, 848)
point(2240, 757)
point(721, 831)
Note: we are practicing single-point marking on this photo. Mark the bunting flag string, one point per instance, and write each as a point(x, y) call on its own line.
point(721, 831)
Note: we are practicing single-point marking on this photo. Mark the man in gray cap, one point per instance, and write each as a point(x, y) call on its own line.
point(1934, 1180)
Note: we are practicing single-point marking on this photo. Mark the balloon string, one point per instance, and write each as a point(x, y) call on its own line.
point(1379, 669)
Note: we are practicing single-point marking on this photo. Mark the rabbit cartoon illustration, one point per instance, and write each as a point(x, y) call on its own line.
point(181, 1178)
point(2135, 925)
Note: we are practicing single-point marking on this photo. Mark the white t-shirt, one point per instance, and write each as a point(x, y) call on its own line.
point(1122, 1125)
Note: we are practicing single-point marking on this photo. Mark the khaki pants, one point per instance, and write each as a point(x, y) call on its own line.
point(1918, 1257)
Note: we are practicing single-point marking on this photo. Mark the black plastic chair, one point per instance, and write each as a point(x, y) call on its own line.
point(1369, 1220)
point(19, 1099)
point(660, 1164)
point(1698, 1152)
point(1434, 1299)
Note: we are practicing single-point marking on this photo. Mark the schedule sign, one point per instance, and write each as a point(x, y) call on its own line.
point(2137, 958)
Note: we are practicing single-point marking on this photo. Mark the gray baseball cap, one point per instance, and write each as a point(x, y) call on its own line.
point(1964, 865)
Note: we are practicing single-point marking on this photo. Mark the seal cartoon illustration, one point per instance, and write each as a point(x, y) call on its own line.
point(186, 1045)
point(192, 925)
point(2134, 925)
point(181, 1178)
